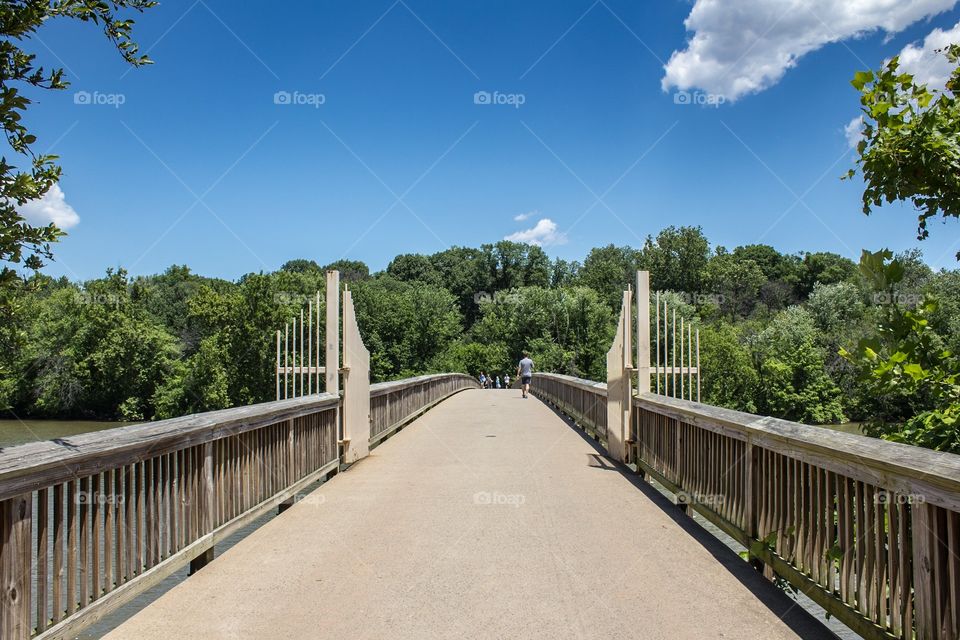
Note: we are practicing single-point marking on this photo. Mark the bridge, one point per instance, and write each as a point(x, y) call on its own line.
point(428, 507)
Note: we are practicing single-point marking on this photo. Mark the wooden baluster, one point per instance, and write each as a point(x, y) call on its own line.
point(72, 499)
point(16, 518)
point(43, 518)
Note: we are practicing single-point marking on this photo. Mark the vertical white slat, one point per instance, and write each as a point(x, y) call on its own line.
point(286, 360)
point(293, 360)
point(301, 351)
point(698, 364)
point(310, 348)
point(278, 364)
point(681, 357)
point(666, 347)
point(690, 362)
point(673, 356)
point(317, 307)
point(658, 342)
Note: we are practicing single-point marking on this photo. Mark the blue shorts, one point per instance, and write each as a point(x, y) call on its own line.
point(525, 379)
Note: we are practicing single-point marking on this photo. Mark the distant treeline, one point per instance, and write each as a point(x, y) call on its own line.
point(771, 326)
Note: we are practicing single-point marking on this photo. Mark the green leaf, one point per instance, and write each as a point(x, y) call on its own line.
point(861, 78)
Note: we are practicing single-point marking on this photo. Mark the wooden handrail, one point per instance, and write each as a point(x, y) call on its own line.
point(95, 519)
point(868, 529)
point(32, 465)
point(394, 403)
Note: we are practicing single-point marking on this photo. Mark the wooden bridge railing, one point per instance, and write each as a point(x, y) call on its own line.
point(88, 522)
point(868, 529)
point(392, 404)
point(582, 400)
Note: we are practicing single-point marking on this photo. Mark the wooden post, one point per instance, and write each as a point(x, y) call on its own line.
point(278, 364)
point(15, 567)
point(356, 388)
point(923, 521)
point(619, 387)
point(750, 506)
point(206, 507)
point(291, 453)
point(332, 363)
point(643, 332)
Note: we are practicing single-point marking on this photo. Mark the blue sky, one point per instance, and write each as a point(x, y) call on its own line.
point(382, 148)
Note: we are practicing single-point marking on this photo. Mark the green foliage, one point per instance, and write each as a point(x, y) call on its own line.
point(22, 243)
point(793, 383)
point(905, 358)
point(569, 329)
point(910, 148)
point(609, 270)
point(93, 353)
point(736, 282)
point(177, 342)
point(729, 378)
point(350, 270)
point(825, 268)
point(405, 325)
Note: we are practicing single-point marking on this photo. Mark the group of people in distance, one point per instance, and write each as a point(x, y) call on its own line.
point(524, 373)
point(494, 382)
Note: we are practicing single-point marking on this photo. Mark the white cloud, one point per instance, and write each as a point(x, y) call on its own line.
point(520, 217)
point(52, 207)
point(543, 234)
point(924, 63)
point(854, 132)
point(740, 47)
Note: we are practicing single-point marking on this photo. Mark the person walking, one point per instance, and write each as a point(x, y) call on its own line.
point(525, 373)
point(498, 382)
point(483, 380)
point(506, 381)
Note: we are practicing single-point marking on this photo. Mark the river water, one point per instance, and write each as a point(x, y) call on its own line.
point(14, 432)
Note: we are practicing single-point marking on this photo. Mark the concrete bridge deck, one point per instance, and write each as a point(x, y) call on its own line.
point(487, 517)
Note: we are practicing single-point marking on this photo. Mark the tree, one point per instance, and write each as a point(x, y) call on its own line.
point(464, 273)
point(837, 310)
point(905, 360)
point(782, 273)
point(350, 270)
point(608, 270)
point(775, 265)
point(94, 353)
point(22, 242)
point(411, 267)
point(563, 273)
point(405, 325)
point(910, 149)
point(729, 378)
point(823, 267)
point(735, 281)
point(515, 264)
point(301, 265)
point(792, 381)
point(676, 259)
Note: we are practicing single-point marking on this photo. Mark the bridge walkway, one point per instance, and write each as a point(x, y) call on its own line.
point(489, 516)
